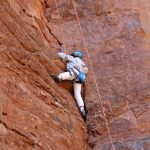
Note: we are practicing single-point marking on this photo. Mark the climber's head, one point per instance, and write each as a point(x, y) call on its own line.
point(77, 53)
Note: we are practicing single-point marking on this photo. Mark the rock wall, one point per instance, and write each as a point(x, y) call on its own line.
point(40, 114)
point(117, 36)
point(37, 113)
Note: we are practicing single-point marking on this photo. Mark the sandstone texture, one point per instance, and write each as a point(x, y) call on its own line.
point(40, 114)
point(37, 113)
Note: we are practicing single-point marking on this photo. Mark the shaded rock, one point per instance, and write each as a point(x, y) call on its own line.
point(136, 144)
point(3, 130)
point(117, 37)
point(40, 113)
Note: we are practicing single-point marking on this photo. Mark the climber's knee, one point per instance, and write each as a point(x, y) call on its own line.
point(66, 76)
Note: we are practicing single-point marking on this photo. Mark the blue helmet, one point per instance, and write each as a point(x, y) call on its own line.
point(77, 54)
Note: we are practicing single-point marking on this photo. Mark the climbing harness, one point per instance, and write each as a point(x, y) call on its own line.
point(80, 76)
point(95, 80)
point(60, 27)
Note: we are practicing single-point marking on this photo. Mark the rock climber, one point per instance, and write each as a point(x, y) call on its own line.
point(76, 72)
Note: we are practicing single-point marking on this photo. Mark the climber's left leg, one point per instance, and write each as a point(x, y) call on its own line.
point(80, 102)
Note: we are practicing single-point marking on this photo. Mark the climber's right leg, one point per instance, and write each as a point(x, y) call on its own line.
point(63, 76)
point(66, 76)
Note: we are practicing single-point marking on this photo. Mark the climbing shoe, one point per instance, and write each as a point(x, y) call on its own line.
point(86, 111)
point(83, 114)
point(55, 77)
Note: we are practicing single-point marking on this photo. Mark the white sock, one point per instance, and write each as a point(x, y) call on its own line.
point(81, 108)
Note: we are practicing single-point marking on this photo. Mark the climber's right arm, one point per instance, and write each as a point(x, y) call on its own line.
point(64, 56)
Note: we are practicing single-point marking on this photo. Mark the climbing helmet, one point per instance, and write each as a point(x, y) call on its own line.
point(77, 54)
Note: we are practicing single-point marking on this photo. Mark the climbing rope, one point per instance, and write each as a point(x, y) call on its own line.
point(1, 119)
point(60, 28)
point(95, 80)
point(75, 40)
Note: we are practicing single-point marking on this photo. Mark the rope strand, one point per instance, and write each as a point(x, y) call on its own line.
point(60, 28)
point(1, 118)
point(95, 80)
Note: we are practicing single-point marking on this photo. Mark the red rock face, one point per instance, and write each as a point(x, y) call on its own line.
point(37, 113)
point(40, 114)
point(117, 36)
